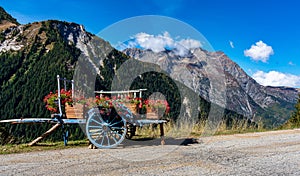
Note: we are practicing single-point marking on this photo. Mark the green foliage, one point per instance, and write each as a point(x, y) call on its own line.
point(2, 36)
point(27, 78)
point(294, 121)
point(276, 114)
point(5, 16)
point(114, 59)
point(28, 75)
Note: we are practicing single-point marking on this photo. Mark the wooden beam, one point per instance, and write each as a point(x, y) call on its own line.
point(162, 134)
point(51, 130)
point(120, 92)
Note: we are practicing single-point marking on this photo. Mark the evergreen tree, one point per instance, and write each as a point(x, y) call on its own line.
point(5, 16)
point(295, 118)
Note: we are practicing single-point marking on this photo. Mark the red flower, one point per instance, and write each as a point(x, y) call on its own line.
point(51, 99)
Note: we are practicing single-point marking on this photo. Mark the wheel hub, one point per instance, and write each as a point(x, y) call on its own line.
point(105, 128)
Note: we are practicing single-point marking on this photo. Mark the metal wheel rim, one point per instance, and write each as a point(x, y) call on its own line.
point(104, 134)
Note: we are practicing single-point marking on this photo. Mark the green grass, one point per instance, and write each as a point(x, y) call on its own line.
point(240, 126)
point(22, 148)
point(195, 131)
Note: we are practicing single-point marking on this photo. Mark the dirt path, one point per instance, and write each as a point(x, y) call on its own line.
point(268, 153)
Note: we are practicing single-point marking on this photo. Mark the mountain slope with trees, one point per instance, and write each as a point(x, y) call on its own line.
point(294, 121)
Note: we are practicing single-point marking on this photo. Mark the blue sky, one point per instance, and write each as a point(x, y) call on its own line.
point(262, 36)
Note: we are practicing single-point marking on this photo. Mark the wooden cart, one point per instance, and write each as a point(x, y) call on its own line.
point(104, 127)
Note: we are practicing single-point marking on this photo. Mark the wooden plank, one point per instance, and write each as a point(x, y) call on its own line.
point(152, 115)
point(29, 120)
point(162, 133)
point(74, 115)
point(43, 120)
point(120, 92)
point(74, 121)
point(75, 111)
point(47, 133)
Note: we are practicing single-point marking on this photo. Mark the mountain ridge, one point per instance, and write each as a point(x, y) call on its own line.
point(243, 94)
point(6, 20)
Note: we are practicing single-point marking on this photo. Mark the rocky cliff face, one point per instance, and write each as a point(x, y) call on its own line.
point(16, 37)
point(243, 94)
point(263, 96)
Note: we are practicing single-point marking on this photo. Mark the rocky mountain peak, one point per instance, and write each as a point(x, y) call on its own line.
point(16, 37)
point(243, 94)
point(72, 32)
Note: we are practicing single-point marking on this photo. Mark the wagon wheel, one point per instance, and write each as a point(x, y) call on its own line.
point(105, 131)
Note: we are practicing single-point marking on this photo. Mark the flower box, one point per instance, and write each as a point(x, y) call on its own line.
point(75, 111)
point(131, 107)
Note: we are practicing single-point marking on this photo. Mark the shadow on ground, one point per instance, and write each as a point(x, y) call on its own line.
point(157, 142)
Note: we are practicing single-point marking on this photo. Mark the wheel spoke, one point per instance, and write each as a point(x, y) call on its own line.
point(108, 143)
point(98, 131)
point(102, 141)
point(92, 126)
point(117, 128)
point(114, 138)
point(100, 118)
point(112, 120)
point(96, 121)
point(115, 123)
point(99, 136)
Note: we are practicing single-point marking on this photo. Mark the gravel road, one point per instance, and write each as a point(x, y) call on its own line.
point(267, 153)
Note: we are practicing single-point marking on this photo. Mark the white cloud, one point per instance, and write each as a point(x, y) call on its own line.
point(231, 44)
point(160, 42)
point(190, 43)
point(259, 52)
point(184, 45)
point(155, 43)
point(291, 63)
point(274, 78)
